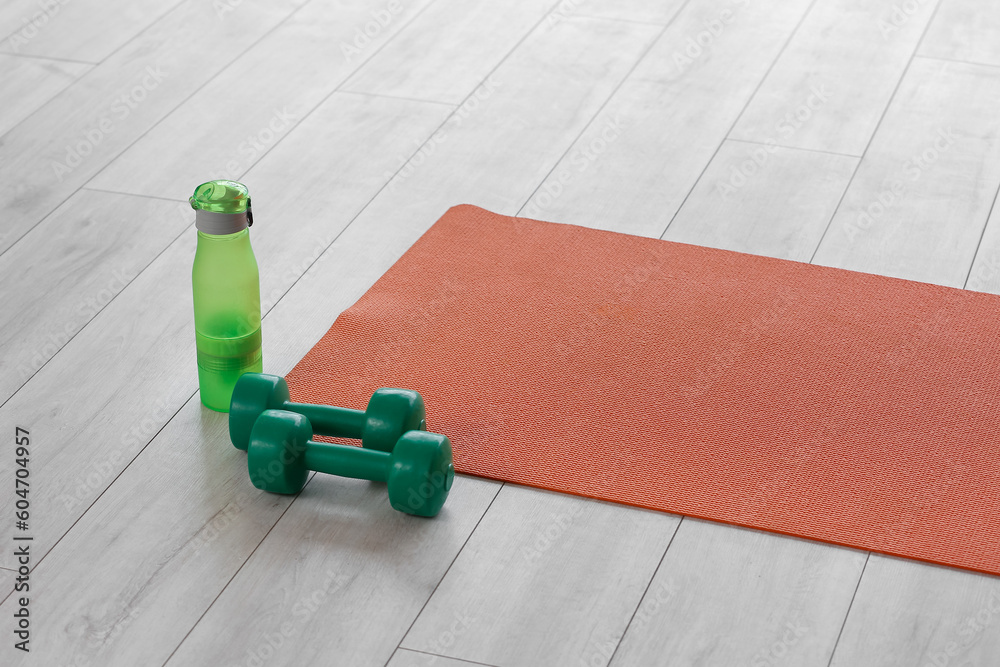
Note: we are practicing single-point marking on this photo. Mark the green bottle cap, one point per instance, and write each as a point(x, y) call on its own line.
point(222, 207)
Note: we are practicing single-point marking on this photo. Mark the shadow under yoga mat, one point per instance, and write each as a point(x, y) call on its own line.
point(839, 406)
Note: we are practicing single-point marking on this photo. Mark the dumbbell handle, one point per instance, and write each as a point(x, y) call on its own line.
point(348, 461)
point(330, 420)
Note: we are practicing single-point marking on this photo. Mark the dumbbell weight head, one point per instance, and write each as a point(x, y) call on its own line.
point(254, 393)
point(421, 474)
point(276, 453)
point(390, 412)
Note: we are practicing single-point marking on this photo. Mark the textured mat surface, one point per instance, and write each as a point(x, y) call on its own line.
point(833, 405)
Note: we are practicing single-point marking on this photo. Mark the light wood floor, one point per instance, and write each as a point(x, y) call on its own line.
point(857, 134)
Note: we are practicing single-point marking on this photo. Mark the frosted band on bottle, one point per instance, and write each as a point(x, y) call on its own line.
point(211, 222)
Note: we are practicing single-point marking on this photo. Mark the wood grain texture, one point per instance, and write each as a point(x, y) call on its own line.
point(67, 269)
point(636, 162)
point(342, 559)
point(561, 574)
point(501, 142)
point(966, 30)
point(458, 43)
point(28, 83)
point(764, 200)
point(72, 137)
point(906, 613)
point(812, 97)
point(267, 99)
point(729, 596)
point(927, 182)
point(134, 366)
point(83, 30)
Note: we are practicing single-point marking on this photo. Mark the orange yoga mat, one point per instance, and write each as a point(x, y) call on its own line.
point(839, 406)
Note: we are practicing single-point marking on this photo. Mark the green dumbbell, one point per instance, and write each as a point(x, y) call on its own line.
point(390, 413)
point(418, 471)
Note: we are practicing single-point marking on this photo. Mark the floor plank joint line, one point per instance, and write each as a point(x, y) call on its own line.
point(445, 575)
point(94, 316)
point(957, 61)
point(237, 571)
point(833, 651)
point(181, 103)
point(663, 557)
point(98, 497)
point(124, 44)
point(132, 194)
point(435, 655)
point(793, 148)
point(555, 165)
point(881, 119)
point(736, 121)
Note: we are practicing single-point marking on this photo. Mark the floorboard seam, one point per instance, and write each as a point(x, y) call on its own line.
point(154, 125)
point(642, 597)
point(445, 657)
point(597, 113)
point(95, 315)
point(399, 645)
point(957, 61)
point(793, 148)
point(736, 121)
point(843, 625)
point(881, 120)
point(235, 574)
point(77, 80)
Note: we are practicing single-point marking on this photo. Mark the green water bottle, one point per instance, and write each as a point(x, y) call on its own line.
point(226, 291)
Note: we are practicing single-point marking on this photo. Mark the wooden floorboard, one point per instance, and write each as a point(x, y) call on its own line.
point(906, 613)
point(50, 154)
point(69, 268)
point(917, 207)
point(812, 97)
point(561, 574)
point(405, 658)
point(82, 30)
point(764, 200)
point(729, 596)
point(357, 565)
point(636, 162)
point(984, 275)
point(29, 83)
point(658, 13)
point(454, 56)
point(655, 118)
point(272, 97)
point(967, 30)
